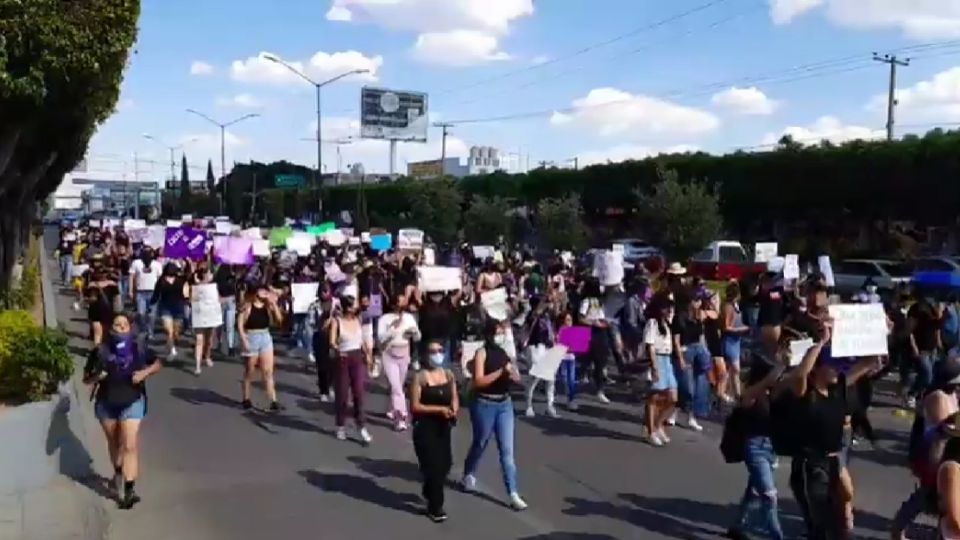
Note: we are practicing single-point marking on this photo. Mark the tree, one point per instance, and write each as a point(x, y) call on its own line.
point(684, 217)
point(560, 223)
point(435, 206)
point(211, 180)
point(487, 219)
point(273, 204)
point(61, 64)
point(184, 186)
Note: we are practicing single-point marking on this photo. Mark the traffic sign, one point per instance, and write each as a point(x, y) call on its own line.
point(288, 181)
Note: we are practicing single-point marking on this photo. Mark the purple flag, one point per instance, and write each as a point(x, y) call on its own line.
point(233, 250)
point(185, 243)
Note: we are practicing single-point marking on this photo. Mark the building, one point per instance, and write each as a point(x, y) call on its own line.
point(196, 187)
point(482, 160)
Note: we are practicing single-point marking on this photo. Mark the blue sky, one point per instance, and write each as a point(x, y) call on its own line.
point(681, 74)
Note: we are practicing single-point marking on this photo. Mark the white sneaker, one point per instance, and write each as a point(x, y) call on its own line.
point(693, 424)
point(552, 412)
point(572, 405)
point(602, 397)
point(331, 396)
point(197, 371)
point(173, 353)
point(530, 413)
point(654, 440)
point(341, 433)
point(415, 365)
point(76, 306)
point(364, 435)
point(469, 483)
point(664, 437)
point(209, 362)
point(517, 503)
point(672, 421)
point(311, 358)
point(324, 398)
point(401, 426)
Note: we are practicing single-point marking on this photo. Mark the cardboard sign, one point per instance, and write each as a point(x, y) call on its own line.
point(858, 330)
point(261, 248)
point(791, 266)
point(185, 243)
point(304, 294)
point(798, 349)
point(232, 250)
point(411, 239)
point(252, 233)
point(223, 227)
point(205, 306)
point(483, 252)
point(365, 237)
point(545, 365)
point(439, 278)
point(381, 242)
point(334, 238)
point(826, 269)
point(495, 304)
point(575, 338)
point(429, 257)
point(300, 245)
point(765, 251)
point(156, 236)
point(608, 267)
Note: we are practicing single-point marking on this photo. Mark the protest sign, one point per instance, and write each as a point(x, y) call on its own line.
point(300, 245)
point(205, 311)
point(566, 257)
point(776, 264)
point(156, 236)
point(134, 224)
point(618, 248)
point(858, 330)
point(186, 218)
point(94, 223)
point(233, 250)
point(765, 251)
point(137, 236)
point(410, 239)
point(826, 269)
point(798, 349)
point(439, 278)
point(483, 252)
point(575, 338)
point(223, 227)
point(791, 266)
point(333, 272)
point(608, 267)
point(381, 242)
point(278, 236)
point(429, 257)
point(545, 365)
point(354, 241)
point(185, 243)
point(252, 233)
point(468, 352)
point(79, 270)
point(304, 294)
point(334, 238)
point(318, 230)
point(174, 223)
point(495, 303)
point(261, 248)
point(365, 237)
point(375, 307)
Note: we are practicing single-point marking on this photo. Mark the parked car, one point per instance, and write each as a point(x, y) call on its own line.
point(638, 252)
point(941, 263)
point(723, 260)
point(849, 275)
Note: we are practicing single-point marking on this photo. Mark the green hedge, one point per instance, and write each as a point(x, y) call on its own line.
point(34, 361)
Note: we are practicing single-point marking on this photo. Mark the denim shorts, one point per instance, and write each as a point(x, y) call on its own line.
point(170, 312)
point(731, 350)
point(136, 411)
point(667, 379)
point(260, 342)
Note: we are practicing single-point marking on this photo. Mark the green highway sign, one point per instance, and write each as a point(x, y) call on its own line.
point(288, 181)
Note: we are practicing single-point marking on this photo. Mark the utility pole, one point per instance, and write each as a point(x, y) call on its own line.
point(253, 201)
point(892, 98)
point(443, 146)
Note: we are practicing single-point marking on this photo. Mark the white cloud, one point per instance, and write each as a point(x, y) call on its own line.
point(243, 101)
point(609, 111)
point(936, 99)
point(827, 128)
point(458, 48)
point(433, 15)
point(336, 128)
point(257, 69)
point(539, 59)
point(199, 67)
point(918, 19)
point(745, 101)
point(784, 11)
point(626, 152)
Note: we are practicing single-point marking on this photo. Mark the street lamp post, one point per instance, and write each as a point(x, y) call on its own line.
point(173, 161)
point(317, 86)
point(223, 145)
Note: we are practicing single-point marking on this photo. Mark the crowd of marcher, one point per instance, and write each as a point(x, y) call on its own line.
point(703, 351)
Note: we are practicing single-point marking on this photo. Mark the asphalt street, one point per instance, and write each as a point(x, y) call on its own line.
point(211, 471)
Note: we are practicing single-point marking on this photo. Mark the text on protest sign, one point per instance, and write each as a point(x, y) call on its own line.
point(205, 310)
point(858, 330)
point(608, 267)
point(827, 270)
point(765, 251)
point(483, 252)
point(546, 364)
point(495, 303)
point(411, 239)
point(791, 266)
point(304, 294)
point(439, 278)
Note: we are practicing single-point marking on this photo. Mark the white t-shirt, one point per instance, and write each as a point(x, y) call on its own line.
point(662, 343)
point(394, 337)
point(146, 278)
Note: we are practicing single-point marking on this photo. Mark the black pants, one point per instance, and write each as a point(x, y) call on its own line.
point(815, 482)
point(431, 441)
point(859, 419)
point(321, 352)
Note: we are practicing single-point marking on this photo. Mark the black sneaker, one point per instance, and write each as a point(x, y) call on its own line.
point(439, 517)
point(247, 404)
point(117, 485)
point(276, 407)
point(130, 498)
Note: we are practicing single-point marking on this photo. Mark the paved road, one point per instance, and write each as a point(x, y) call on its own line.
point(211, 471)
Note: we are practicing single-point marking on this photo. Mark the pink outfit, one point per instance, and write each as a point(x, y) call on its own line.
point(396, 362)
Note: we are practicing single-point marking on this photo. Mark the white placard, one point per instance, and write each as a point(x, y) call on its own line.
point(354, 241)
point(483, 252)
point(261, 247)
point(113, 223)
point(365, 237)
point(223, 227)
point(220, 218)
point(411, 239)
point(205, 308)
point(252, 233)
point(858, 330)
point(791, 266)
point(134, 224)
point(300, 245)
point(156, 236)
point(608, 267)
point(798, 349)
point(470, 349)
point(618, 248)
point(80, 269)
point(334, 238)
point(776, 264)
point(186, 217)
point(70, 237)
point(439, 278)
point(94, 223)
point(826, 269)
point(333, 273)
point(174, 223)
point(765, 251)
point(304, 294)
point(495, 303)
point(566, 257)
point(429, 257)
point(545, 365)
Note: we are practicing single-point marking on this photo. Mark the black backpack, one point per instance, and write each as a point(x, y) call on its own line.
point(786, 436)
point(733, 444)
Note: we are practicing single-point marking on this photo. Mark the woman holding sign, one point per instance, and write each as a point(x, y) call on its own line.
point(394, 332)
point(258, 314)
point(204, 335)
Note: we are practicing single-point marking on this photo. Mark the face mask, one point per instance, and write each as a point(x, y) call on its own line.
point(436, 359)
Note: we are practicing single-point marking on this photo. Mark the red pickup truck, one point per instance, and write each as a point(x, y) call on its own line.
point(724, 260)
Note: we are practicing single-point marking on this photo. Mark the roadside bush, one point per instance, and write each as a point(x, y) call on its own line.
point(33, 361)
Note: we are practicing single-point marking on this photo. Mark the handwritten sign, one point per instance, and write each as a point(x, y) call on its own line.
point(608, 267)
point(858, 330)
point(545, 365)
point(439, 278)
point(765, 251)
point(798, 349)
point(826, 269)
point(411, 239)
point(575, 338)
point(381, 242)
point(791, 266)
point(495, 303)
point(483, 252)
point(304, 294)
point(205, 306)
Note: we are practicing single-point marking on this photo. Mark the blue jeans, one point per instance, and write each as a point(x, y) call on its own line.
point(302, 335)
point(731, 350)
point(493, 418)
point(684, 386)
point(700, 362)
point(146, 312)
point(568, 374)
point(66, 268)
point(229, 330)
point(761, 488)
point(924, 366)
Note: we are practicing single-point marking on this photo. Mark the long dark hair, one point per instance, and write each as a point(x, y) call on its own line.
point(655, 310)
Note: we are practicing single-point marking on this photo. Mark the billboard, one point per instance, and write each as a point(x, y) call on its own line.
point(425, 169)
point(393, 115)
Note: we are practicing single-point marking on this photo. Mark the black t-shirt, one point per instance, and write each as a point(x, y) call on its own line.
point(757, 420)
point(66, 247)
point(822, 419)
point(226, 282)
point(437, 319)
point(496, 359)
point(772, 305)
point(170, 293)
point(927, 325)
point(900, 335)
point(690, 330)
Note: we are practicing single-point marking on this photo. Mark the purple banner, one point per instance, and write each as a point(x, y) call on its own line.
point(185, 243)
point(233, 250)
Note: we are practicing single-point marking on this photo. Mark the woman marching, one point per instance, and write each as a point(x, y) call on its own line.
point(734, 329)
point(491, 410)
point(435, 404)
point(658, 339)
point(542, 337)
point(170, 296)
point(203, 351)
point(354, 361)
point(259, 313)
point(118, 367)
point(394, 333)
